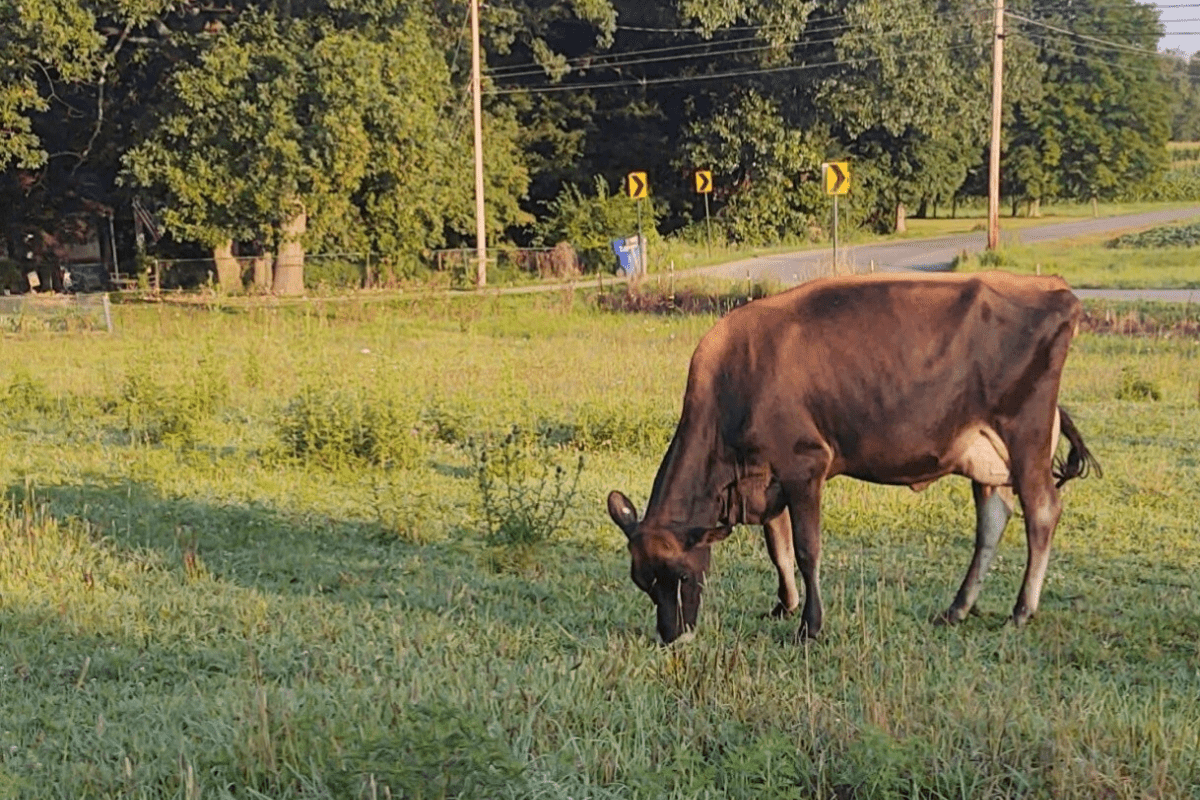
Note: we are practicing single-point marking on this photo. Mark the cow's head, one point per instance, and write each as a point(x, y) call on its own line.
point(671, 571)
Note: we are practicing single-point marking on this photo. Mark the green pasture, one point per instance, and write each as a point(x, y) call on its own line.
point(244, 553)
point(1159, 257)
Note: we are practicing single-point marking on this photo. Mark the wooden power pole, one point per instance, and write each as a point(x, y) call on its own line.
point(477, 102)
point(993, 229)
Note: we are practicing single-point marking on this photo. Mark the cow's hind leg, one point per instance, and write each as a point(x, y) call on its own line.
point(1042, 507)
point(781, 548)
point(993, 509)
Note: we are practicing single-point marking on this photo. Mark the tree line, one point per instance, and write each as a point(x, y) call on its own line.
point(231, 120)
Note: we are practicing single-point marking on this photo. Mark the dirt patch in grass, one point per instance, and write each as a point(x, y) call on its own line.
point(655, 300)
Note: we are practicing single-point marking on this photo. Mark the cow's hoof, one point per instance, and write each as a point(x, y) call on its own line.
point(780, 611)
point(807, 634)
point(951, 616)
point(1020, 617)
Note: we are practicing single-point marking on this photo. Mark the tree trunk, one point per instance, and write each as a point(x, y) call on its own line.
point(262, 271)
point(901, 219)
point(1035, 207)
point(229, 271)
point(289, 262)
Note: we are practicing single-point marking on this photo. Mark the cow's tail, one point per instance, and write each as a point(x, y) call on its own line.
point(1079, 462)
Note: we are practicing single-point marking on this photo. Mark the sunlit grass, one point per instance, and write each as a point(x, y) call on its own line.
point(203, 617)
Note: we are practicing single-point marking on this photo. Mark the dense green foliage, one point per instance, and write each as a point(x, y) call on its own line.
point(198, 617)
point(1166, 236)
point(228, 121)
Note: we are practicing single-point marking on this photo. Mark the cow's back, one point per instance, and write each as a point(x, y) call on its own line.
point(868, 362)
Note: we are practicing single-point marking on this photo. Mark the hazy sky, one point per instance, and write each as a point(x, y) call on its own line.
point(1179, 20)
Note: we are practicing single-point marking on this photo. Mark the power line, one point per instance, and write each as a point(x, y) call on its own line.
point(623, 60)
point(622, 63)
point(598, 59)
point(709, 76)
point(627, 58)
point(585, 61)
point(1112, 45)
point(1057, 46)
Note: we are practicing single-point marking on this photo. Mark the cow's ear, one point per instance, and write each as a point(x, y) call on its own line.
point(701, 537)
point(623, 513)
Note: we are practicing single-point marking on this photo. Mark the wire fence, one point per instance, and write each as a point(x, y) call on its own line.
point(33, 313)
point(341, 271)
point(460, 263)
point(321, 270)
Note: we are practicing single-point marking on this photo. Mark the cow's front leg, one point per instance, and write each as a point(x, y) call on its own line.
point(804, 505)
point(993, 509)
point(778, 533)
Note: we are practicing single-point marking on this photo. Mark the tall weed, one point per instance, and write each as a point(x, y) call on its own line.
point(524, 491)
point(154, 412)
point(345, 427)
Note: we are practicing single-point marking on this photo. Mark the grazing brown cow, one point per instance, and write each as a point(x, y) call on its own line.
point(889, 379)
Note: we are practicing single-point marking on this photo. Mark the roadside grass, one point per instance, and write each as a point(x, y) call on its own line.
point(1088, 263)
point(213, 615)
point(967, 218)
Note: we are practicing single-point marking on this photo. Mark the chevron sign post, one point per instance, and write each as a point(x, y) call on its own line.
point(836, 177)
point(704, 186)
point(638, 186)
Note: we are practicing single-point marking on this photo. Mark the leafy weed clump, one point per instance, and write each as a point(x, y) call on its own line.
point(524, 493)
point(346, 427)
point(158, 413)
point(23, 396)
point(641, 430)
point(1136, 388)
point(1164, 236)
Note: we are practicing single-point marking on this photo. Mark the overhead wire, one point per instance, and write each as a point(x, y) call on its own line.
point(632, 58)
point(1060, 48)
point(600, 59)
point(619, 61)
point(678, 79)
point(627, 58)
point(1083, 36)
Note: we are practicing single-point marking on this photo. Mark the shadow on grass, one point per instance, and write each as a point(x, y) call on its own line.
point(254, 546)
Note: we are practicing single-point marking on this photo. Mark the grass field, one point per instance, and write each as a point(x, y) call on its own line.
point(244, 554)
point(1091, 264)
point(967, 219)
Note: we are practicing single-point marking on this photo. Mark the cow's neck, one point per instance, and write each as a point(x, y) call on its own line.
point(692, 480)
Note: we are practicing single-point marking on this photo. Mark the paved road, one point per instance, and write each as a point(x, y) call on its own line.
point(929, 254)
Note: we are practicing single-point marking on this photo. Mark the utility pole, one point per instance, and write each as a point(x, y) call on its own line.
point(993, 230)
point(477, 102)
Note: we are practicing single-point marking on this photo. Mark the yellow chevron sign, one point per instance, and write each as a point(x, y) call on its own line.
point(704, 181)
point(637, 185)
point(837, 177)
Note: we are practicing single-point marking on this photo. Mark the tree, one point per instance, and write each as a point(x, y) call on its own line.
point(1098, 124)
point(353, 125)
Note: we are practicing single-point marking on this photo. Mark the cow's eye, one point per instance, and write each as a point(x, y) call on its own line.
point(684, 577)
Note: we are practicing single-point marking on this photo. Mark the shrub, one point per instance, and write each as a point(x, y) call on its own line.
point(25, 395)
point(156, 413)
point(1133, 387)
point(334, 272)
point(1163, 236)
point(342, 427)
point(591, 222)
point(645, 431)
